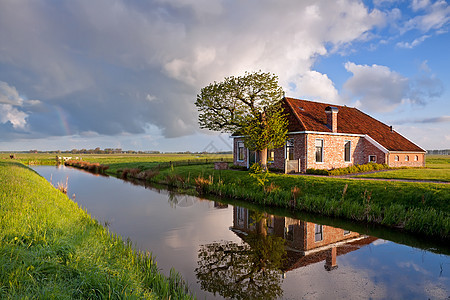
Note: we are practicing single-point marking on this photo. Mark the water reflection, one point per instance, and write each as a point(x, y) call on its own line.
point(270, 247)
point(250, 270)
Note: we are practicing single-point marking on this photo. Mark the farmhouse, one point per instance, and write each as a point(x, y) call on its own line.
point(326, 136)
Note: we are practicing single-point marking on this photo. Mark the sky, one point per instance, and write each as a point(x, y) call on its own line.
point(126, 73)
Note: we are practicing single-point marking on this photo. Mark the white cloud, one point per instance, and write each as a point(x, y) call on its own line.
point(376, 87)
point(10, 114)
point(419, 4)
point(414, 43)
point(9, 95)
point(436, 16)
point(317, 86)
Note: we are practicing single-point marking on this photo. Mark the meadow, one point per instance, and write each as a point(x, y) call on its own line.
point(437, 169)
point(52, 249)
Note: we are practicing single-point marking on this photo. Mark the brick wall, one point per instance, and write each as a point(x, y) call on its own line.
point(415, 159)
point(333, 151)
point(370, 149)
point(330, 235)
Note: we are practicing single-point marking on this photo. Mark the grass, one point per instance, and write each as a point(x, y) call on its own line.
point(116, 161)
point(437, 169)
point(52, 249)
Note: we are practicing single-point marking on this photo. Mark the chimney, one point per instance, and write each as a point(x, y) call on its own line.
point(332, 112)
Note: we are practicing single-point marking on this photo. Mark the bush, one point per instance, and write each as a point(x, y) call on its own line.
point(349, 170)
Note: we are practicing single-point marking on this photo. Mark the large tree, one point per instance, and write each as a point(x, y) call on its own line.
point(248, 105)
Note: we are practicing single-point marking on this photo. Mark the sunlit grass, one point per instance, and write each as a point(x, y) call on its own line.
point(50, 248)
point(437, 169)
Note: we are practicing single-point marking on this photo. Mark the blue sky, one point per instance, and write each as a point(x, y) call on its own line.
point(125, 74)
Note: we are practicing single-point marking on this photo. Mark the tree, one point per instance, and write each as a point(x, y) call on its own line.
point(250, 270)
point(249, 106)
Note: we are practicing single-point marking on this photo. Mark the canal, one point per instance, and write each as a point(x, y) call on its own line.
point(236, 251)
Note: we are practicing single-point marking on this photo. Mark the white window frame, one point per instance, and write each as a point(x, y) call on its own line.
point(416, 157)
point(317, 226)
point(268, 155)
point(286, 157)
point(375, 161)
point(323, 151)
point(238, 152)
point(350, 151)
point(406, 157)
point(396, 158)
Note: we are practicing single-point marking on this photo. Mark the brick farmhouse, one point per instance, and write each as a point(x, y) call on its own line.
point(326, 136)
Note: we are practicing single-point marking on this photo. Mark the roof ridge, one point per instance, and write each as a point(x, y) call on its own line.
point(319, 102)
point(295, 112)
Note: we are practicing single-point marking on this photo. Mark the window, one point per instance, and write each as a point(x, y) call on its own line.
point(372, 158)
point(240, 151)
point(289, 232)
point(347, 232)
point(406, 157)
point(290, 149)
point(270, 155)
point(416, 158)
point(240, 215)
point(347, 151)
point(396, 158)
point(318, 230)
point(319, 150)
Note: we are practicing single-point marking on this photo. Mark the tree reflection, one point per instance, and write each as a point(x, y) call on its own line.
point(249, 270)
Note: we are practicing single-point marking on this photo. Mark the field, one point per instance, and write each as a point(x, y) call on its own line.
point(437, 169)
point(117, 161)
point(52, 249)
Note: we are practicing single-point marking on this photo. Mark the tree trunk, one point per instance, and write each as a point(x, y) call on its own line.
point(261, 158)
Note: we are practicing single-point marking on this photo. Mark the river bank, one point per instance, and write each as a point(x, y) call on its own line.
point(51, 248)
point(416, 207)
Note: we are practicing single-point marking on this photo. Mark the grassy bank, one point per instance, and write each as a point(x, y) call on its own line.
point(50, 248)
point(416, 207)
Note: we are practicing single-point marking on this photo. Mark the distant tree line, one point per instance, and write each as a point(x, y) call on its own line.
point(116, 151)
point(439, 152)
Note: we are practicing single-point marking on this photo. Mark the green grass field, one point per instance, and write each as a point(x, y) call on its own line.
point(115, 161)
point(437, 169)
point(52, 249)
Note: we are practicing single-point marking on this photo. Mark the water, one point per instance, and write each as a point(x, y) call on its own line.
point(230, 251)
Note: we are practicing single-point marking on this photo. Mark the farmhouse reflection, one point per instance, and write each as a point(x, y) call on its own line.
point(271, 246)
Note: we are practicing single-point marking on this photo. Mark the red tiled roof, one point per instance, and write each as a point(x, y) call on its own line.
point(306, 115)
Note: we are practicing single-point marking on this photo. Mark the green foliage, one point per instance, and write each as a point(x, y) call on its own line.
point(249, 105)
point(267, 131)
point(259, 174)
point(349, 170)
point(226, 106)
